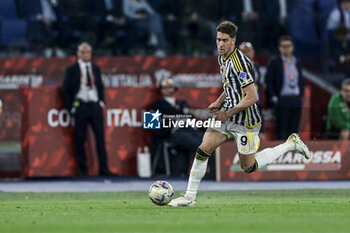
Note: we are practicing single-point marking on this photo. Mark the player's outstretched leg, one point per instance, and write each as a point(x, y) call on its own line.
point(293, 143)
point(198, 170)
point(211, 140)
point(299, 145)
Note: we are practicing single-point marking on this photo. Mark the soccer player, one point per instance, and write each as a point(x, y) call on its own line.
point(240, 117)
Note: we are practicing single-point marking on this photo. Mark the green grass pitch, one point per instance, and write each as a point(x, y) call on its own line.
point(225, 211)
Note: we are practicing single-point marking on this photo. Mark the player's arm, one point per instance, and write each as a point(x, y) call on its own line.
point(215, 106)
point(248, 100)
point(221, 98)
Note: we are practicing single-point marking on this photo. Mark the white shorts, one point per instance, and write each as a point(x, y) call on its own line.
point(247, 139)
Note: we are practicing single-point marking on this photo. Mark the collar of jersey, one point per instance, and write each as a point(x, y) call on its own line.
point(225, 60)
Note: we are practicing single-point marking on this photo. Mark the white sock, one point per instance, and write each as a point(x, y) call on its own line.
point(198, 170)
point(269, 155)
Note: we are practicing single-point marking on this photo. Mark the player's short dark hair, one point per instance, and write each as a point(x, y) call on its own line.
point(346, 82)
point(227, 27)
point(284, 38)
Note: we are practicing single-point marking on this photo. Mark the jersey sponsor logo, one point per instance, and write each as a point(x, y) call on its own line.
point(151, 120)
point(243, 76)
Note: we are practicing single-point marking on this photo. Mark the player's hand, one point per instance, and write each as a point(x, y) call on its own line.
point(73, 110)
point(344, 134)
point(221, 116)
point(274, 100)
point(213, 107)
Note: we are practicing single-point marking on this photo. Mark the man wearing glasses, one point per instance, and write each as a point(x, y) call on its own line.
point(285, 88)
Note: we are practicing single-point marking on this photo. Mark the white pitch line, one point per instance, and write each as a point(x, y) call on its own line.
point(105, 185)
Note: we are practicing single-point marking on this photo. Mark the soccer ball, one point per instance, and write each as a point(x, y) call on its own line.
point(161, 192)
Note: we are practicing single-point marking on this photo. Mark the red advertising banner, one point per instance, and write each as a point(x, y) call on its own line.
point(130, 87)
point(131, 72)
point(329, 161)
point(10, 119)
point(116, 72)
point(47, 129)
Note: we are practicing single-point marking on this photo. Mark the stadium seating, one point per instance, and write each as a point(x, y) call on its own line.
point(14, 32)
point(8, 9)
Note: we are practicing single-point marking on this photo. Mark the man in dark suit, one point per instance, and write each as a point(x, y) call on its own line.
point(187, 138)
point(285, 88)
point(184, 139)
point(340, 51)
point(83, 95)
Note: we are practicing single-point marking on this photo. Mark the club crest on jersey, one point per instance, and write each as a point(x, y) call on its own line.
point(243, 76)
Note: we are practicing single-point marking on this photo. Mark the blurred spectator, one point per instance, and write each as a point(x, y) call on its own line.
point(83, 94)
point(285, 88)
point(339, 15)
point(248, 49)
point(250, 10)
point(187, 138)
point(322, 9)
point(177, 26)
point(200, 26)
point(0, 107)
point(303, 24)
point(144, 18)
point(326, 6)
point(247, 14)
point(81, 25)
point(340, 50)
point(274, 20)
point(338, 118)
point(172, 14)
point(113, 28)
point(44, 24)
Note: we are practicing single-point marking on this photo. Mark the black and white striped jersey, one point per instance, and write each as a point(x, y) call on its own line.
point(236, 73)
